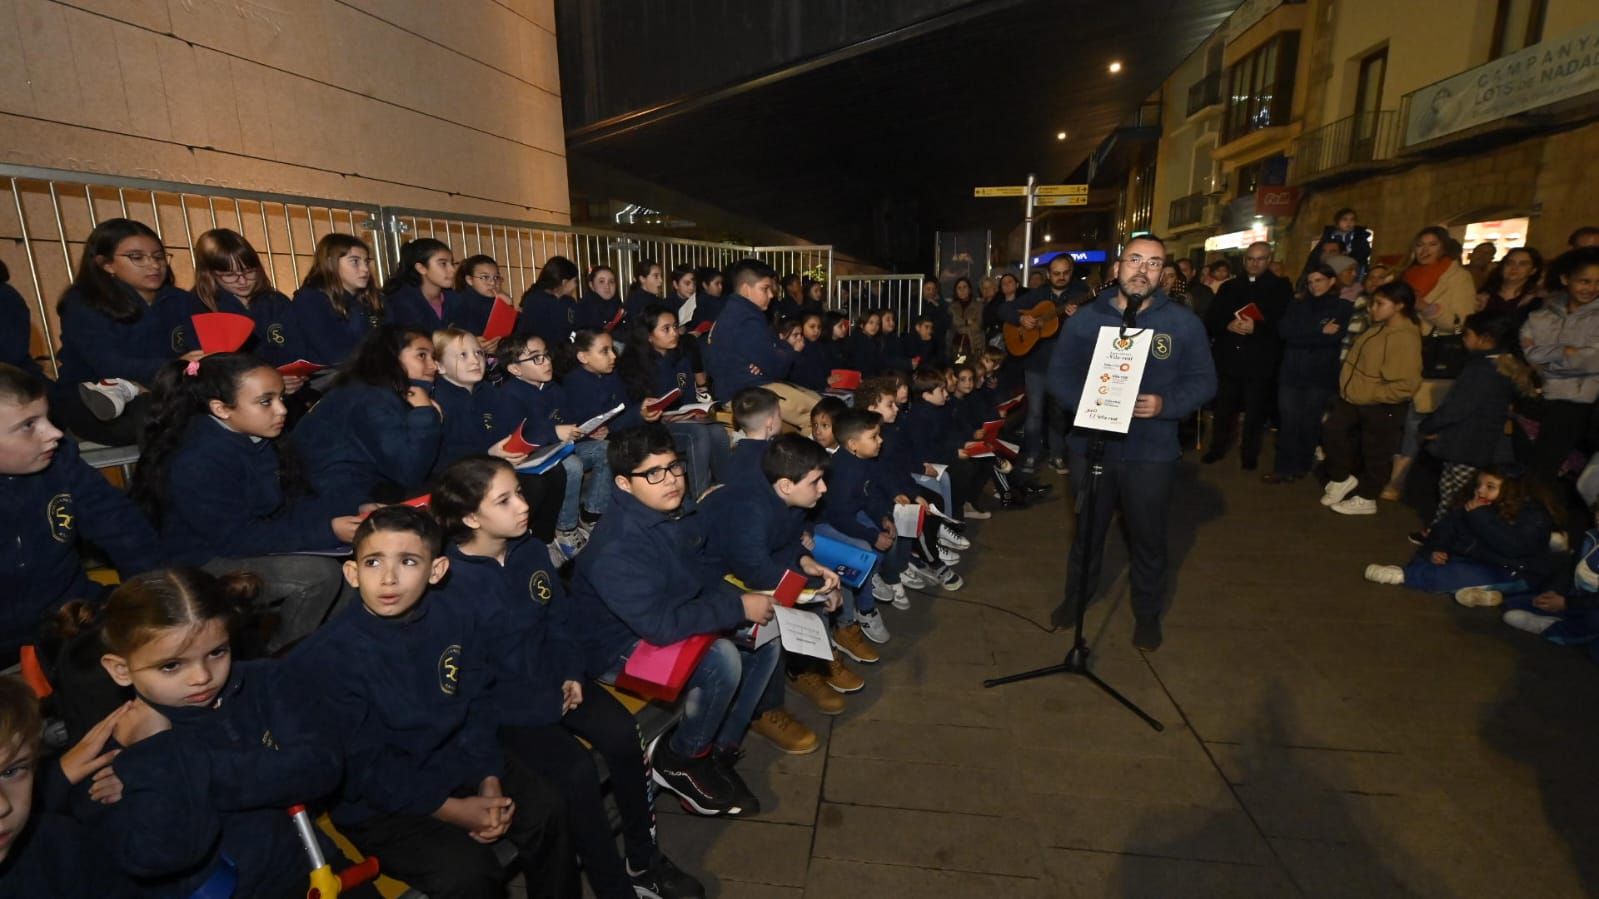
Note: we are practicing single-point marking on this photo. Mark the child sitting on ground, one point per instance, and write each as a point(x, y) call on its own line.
point(643, 579)
point(1569, 615)
point(406, 679)
point(1497, 537)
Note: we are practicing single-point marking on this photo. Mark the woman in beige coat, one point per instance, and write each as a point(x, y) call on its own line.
point(1445, 291)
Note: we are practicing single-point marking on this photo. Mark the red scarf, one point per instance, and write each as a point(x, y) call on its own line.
point(1423, 277)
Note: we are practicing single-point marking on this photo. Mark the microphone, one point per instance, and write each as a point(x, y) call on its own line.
point(1130, 314)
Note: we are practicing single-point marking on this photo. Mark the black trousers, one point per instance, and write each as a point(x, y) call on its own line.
point(1361, 441)
point(68, 413)
point(1252, 395)
point(1141, 491)
point(555, 753)
point(444, 862)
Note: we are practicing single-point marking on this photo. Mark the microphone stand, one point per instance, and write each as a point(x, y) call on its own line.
point(1077, 658)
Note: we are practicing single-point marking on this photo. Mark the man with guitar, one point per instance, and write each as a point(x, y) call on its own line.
point(1032, 324)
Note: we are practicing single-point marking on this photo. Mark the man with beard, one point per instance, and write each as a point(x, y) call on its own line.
point(1138, 466)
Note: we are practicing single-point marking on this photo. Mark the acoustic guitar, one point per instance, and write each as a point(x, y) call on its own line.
point(1020, 341)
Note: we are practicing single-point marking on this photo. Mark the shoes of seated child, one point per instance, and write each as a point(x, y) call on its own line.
point(1478, 597)
point(1338, 496)
point(664, 880)
point(705, 785)
point(1531, 622)
point(106, 399)
point(1385, 574)
point(851, 641)
point(787, 733)
point(813, 686)
point(893, 594)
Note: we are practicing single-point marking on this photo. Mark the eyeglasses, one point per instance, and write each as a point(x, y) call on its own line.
point(535, 358)
point(658, 474)
point(490, 279)
point(236, 277)
point(142, 259)
point(1152, 264)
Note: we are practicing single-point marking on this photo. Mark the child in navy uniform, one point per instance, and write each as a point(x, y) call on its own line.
point(49, 498)
point(859, 510)
point(933, 439)
point(478, 286)
point(642, 578)
point(811, 363)
point(120, 320)
point(933, 557)
point(757, 416)
point(406, 678)
point(600, 309)
point(473, 421)
point(420, 291)
point(212, 752)
point(214, 480)
point(654, 363)
point(546, 703)
point(339, 303)
point(376, 433)
point(549, 308)
point(532, 396)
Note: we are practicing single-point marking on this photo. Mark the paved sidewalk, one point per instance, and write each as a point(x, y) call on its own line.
point(1324, 736)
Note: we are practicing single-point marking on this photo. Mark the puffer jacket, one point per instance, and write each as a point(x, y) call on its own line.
point(1545, 336)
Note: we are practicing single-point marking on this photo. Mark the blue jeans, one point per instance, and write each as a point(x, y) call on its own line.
point(1299, 411)
point(889, 567)
point(1455, 574)
point(587, 455)
point(704, 448)
point(721, 695)
point(1043, 415)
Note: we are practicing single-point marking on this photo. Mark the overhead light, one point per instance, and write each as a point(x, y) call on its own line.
point(1115, 67)
point(1047, 238)
point(1060, 135)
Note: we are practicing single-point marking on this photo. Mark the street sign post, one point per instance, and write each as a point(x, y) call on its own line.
point(1036, 195)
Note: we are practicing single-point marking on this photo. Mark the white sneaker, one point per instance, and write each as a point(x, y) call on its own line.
point(571, 542)
point(948, 579)
point(893, 594)
point(1558, 542)
point(972, 513)
point(1356, 505)
point(1478, 597)
point(1531, 622)
point(951, 540)
point(1336, 491)
point(1385, 574)
point(106, 399)
point(872, 626)
point(916, 577)
point(948, 556)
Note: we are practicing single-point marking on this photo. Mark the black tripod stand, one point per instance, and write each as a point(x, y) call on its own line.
point(1076, 661)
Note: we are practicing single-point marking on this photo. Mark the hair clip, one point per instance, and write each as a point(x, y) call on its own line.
point(193, 368)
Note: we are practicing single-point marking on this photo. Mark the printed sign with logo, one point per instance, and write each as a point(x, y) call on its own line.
point(1115, 372)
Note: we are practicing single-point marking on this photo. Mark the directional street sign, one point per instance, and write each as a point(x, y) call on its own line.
point(1061, 190)
point(1015, 190)
point(1052, 200)
point(1043, 190)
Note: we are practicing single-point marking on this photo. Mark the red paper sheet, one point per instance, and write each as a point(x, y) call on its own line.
point(222, 332)
point(978, 449)
point(300, 368)
point(502, 320)
point(1011, 403)
point(701, 328)
point(661, 404)
point(844, 379)
point(518, 444)
point(615, 320)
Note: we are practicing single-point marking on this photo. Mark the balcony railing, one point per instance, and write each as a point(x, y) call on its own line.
point(1355, 141)
point(1204, 93)
point(1189, 210)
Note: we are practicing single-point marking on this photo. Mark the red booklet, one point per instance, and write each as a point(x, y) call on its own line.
point(789, 588)
point(222, 332)
point(844, 379)
point(1013, 402)
point(701, 328)
point(991, 429)
point(518, 444)
point(978, 449)
point(615, 320)
point(300, 368)
point(1251, 312)
point(502, 320)
point(661, 404)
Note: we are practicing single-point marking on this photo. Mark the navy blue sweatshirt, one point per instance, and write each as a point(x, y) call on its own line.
point(470, 420)
point(673, 370)
point(16, 331)
point(853, 487)
point(706, 308)
point(547, 316)
point(589, 394)
point(471, 311)
point(1179, 371)
point(218, 784)
point(1310, 357)
point(744, 465)
point(969, 413)
point(45, 515)
point(741, 350)
point(895, 463)
point(186, 304)
point(542, 407)
point(542, 647)
point(930, 434)
point(754, 535)
point(277, 329)
point(224, 500)
point(410, 699)
point(327, 337)
point(50, 858)
point(641, 577)
point(595, 312)
point(639, 299)
point(359, 436)
point(812, 366)
point(921, 353)
point(95, 346)
point(408, 307)
point(1483, 535)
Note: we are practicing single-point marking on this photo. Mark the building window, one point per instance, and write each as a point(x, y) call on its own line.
point(1517, 24)
point(1368, 102)
point(1260, 87)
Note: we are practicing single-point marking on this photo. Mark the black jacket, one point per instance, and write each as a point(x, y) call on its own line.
point(1469, 425)
point(1248, 355)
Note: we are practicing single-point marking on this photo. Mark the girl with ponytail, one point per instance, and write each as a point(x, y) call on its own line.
point(212, 752)
point(224, 494)
point(339, 301)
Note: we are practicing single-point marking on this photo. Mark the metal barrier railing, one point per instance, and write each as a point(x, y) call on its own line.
point(857, 294)
point(52, 212)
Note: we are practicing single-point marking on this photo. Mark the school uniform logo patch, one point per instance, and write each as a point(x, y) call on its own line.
point(488, 421)
point(275, 334)
point(1162, 347)
point(58, 513)
point(178, 340)
point(682, 379)
point(450, 669)
point(539, 588)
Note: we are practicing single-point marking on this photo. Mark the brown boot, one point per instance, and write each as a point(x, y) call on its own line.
point(813, 686)
point(785, 731)
point(841, 679)
point(851, 642)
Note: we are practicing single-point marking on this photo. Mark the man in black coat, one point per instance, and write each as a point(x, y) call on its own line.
point(1243, 331)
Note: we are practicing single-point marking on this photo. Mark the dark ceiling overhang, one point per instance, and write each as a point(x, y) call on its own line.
point(863, 127)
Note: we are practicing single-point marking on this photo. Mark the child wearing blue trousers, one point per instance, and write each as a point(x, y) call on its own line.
point(858, 510)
